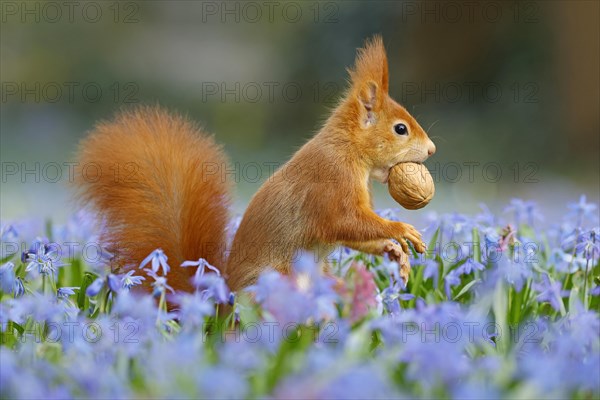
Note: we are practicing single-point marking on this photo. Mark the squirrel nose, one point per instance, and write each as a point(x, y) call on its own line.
point(430, 148)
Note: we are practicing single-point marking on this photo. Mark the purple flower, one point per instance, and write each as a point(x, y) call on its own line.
point(158, 259)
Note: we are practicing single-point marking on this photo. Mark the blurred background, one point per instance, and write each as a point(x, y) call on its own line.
point(509, 91)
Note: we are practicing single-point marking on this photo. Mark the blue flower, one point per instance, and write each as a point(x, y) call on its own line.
point(201, 265)
point(7, 277)
point(128, 280)
point(485, 218)
point(113, 283)
point(222, 383)
point(431, 270)
point(158, 259)
point(42, 260)
point(471, 265)
point(573, 362)
point(212, 286)
point(8, 233)
point(451, 279)
point(65, 292)
point(280, 298)
point(551, 292)
point(515, 272)
point(432, 362)
point(524, 209)
point(95, 287)
point(390, 296)
point(193, 308)
point(19, 288)
point(582, 209)
point(566, 262)
point(585, 243)
point(160, 284)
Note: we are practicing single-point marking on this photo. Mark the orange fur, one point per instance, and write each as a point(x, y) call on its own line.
point(161, 196)
point(321, 198)
point(318, 200)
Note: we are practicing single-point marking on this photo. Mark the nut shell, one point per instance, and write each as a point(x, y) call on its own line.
point(411, 185)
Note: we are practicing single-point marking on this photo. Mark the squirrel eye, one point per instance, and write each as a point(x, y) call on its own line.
point(401, 129)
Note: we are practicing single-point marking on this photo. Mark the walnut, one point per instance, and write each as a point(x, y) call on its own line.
point(411, 185)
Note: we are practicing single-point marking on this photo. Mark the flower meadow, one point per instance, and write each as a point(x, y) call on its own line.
point(500, 306)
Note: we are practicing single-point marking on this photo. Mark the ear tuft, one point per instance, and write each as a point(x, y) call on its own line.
point(371, 64)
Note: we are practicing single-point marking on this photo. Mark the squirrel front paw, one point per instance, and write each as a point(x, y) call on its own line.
point(409, 233)
point(396, 253)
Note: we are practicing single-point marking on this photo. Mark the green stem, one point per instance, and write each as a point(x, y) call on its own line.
point(161, 307)
point(233, 314)
point(587, 269)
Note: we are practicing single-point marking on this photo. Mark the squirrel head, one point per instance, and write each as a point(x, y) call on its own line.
point(385, 132)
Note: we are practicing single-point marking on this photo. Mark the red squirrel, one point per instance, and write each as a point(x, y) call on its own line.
point(164, 196)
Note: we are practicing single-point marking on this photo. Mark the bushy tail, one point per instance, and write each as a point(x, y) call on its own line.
point(154, 179)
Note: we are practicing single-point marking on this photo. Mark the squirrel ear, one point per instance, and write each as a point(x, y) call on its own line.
point(371, 65)
point(368, 96)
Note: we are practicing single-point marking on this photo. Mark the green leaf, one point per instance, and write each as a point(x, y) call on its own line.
point(6, 259)
point(466, 288)
point(48, 228)
point(476, 246)
point(500, 308)
point(88, 279)
point(573, 298)
point(431, 247)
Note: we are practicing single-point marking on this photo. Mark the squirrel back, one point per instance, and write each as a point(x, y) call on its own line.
point(150, 174)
